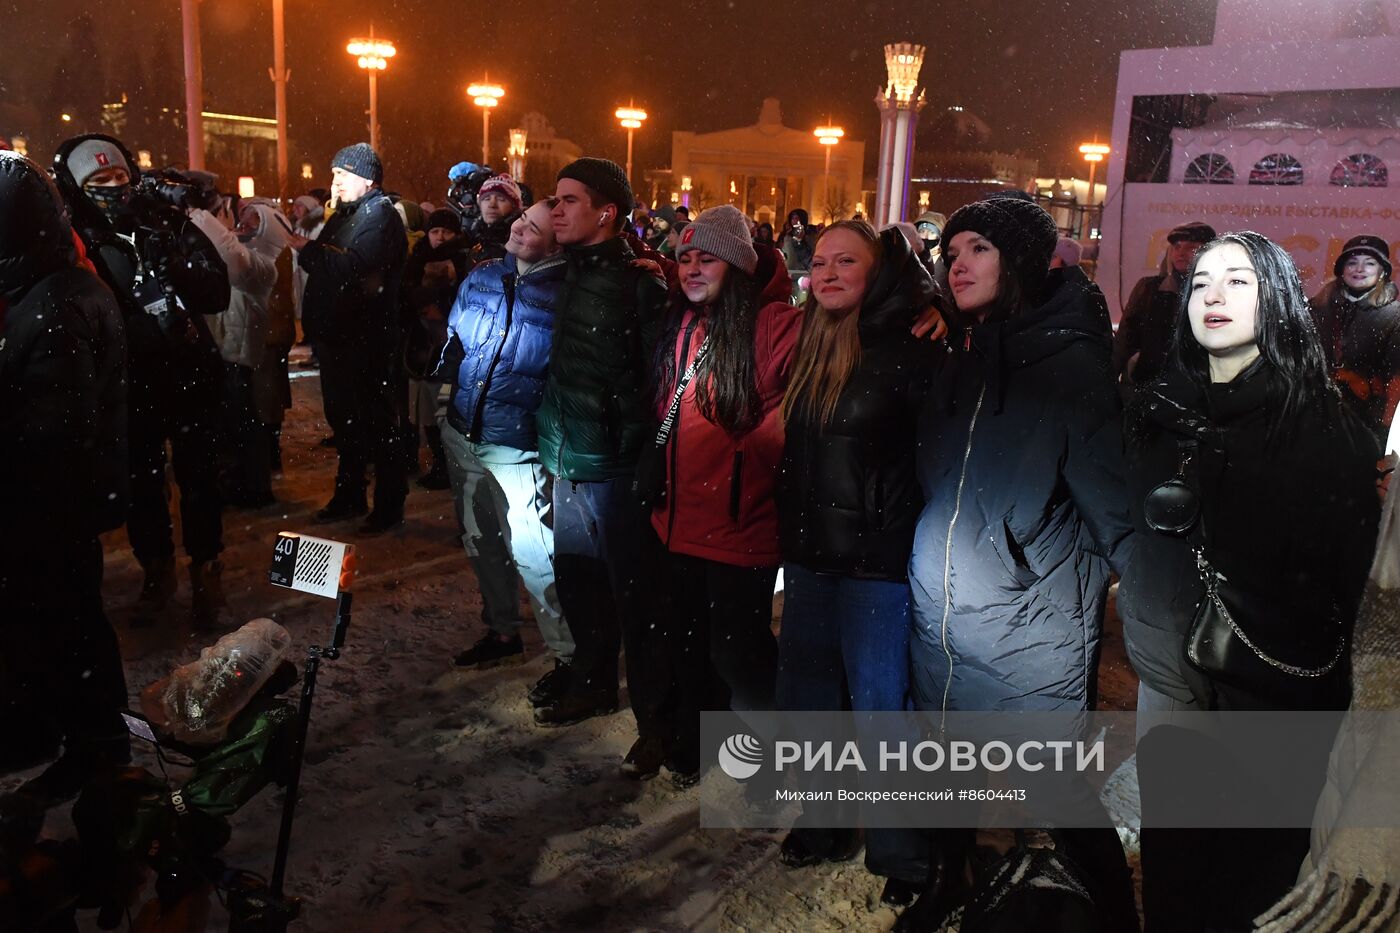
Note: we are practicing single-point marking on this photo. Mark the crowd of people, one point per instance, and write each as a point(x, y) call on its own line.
point(944, 447)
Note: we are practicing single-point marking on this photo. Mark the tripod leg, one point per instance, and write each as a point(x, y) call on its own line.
point(289, 805)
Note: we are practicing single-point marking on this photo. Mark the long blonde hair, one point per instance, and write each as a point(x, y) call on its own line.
point(1380, 295)
point(829, 349)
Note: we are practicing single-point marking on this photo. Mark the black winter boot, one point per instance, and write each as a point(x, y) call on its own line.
point(804, 846)
point(946, 888)
point(206, 593)
point(156, 589)
point(274, 445)
point(408, 447)
point(1099, 852)
point(348, 502)
point(552, 687)
point(436, 477)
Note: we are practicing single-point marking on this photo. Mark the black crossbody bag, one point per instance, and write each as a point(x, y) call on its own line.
point(1218, 643)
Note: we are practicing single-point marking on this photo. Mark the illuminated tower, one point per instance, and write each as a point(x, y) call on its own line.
point(899, 115)
point(517, 152)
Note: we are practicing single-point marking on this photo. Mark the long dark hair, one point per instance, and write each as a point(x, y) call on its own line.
point(1010, 299)
point(1284, 331)
point(726, 385)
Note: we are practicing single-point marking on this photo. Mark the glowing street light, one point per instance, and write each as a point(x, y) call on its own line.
point(486, 95)
point(631, 119)
point(373, 56)
point(828, 136)
point(1094, 153)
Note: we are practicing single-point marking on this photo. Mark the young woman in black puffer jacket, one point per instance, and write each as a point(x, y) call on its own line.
point(848, 498)
point(1284, 477)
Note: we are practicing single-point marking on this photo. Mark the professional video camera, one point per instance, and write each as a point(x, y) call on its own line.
point(157, 207)
point(466, 180)
point(158, 194)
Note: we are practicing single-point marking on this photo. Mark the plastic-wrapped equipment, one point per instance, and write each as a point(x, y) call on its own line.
point(201, 698)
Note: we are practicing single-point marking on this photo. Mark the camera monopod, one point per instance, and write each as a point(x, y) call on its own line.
point(322, 568)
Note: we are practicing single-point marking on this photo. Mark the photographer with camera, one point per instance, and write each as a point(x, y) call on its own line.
point(167, 276)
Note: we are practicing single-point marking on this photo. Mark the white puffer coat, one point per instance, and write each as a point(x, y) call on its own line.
point(241, 331)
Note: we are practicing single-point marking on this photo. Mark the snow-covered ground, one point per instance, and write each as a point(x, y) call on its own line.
point(430, 800)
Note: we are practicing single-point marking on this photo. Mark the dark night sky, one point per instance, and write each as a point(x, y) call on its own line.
point(1040, 72)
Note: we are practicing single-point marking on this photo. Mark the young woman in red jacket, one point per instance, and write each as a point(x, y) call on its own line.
point(719, 521)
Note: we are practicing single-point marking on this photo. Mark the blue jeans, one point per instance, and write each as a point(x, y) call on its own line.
point(835, 626)
point(503, 501)
point(845, 642)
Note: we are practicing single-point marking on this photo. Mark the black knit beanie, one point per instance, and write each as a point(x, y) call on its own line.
point(1023, 232)
point(446, 218)
point(605, 177)
point(362, 160)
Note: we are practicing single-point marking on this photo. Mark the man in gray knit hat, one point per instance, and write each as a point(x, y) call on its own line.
point(350, 312)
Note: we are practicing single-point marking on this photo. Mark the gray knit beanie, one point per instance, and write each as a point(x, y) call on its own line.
point(723, 232)
point(93, 155)
point(361, 160)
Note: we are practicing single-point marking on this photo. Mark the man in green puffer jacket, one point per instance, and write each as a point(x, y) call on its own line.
point(594, 423)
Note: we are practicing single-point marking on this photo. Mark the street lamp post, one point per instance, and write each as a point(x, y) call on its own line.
point(631, 119)
point(194, 83)
point(828, 136)
point(486, 95)
point(1093, 153)
point(280, 74)
point(373, 56)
